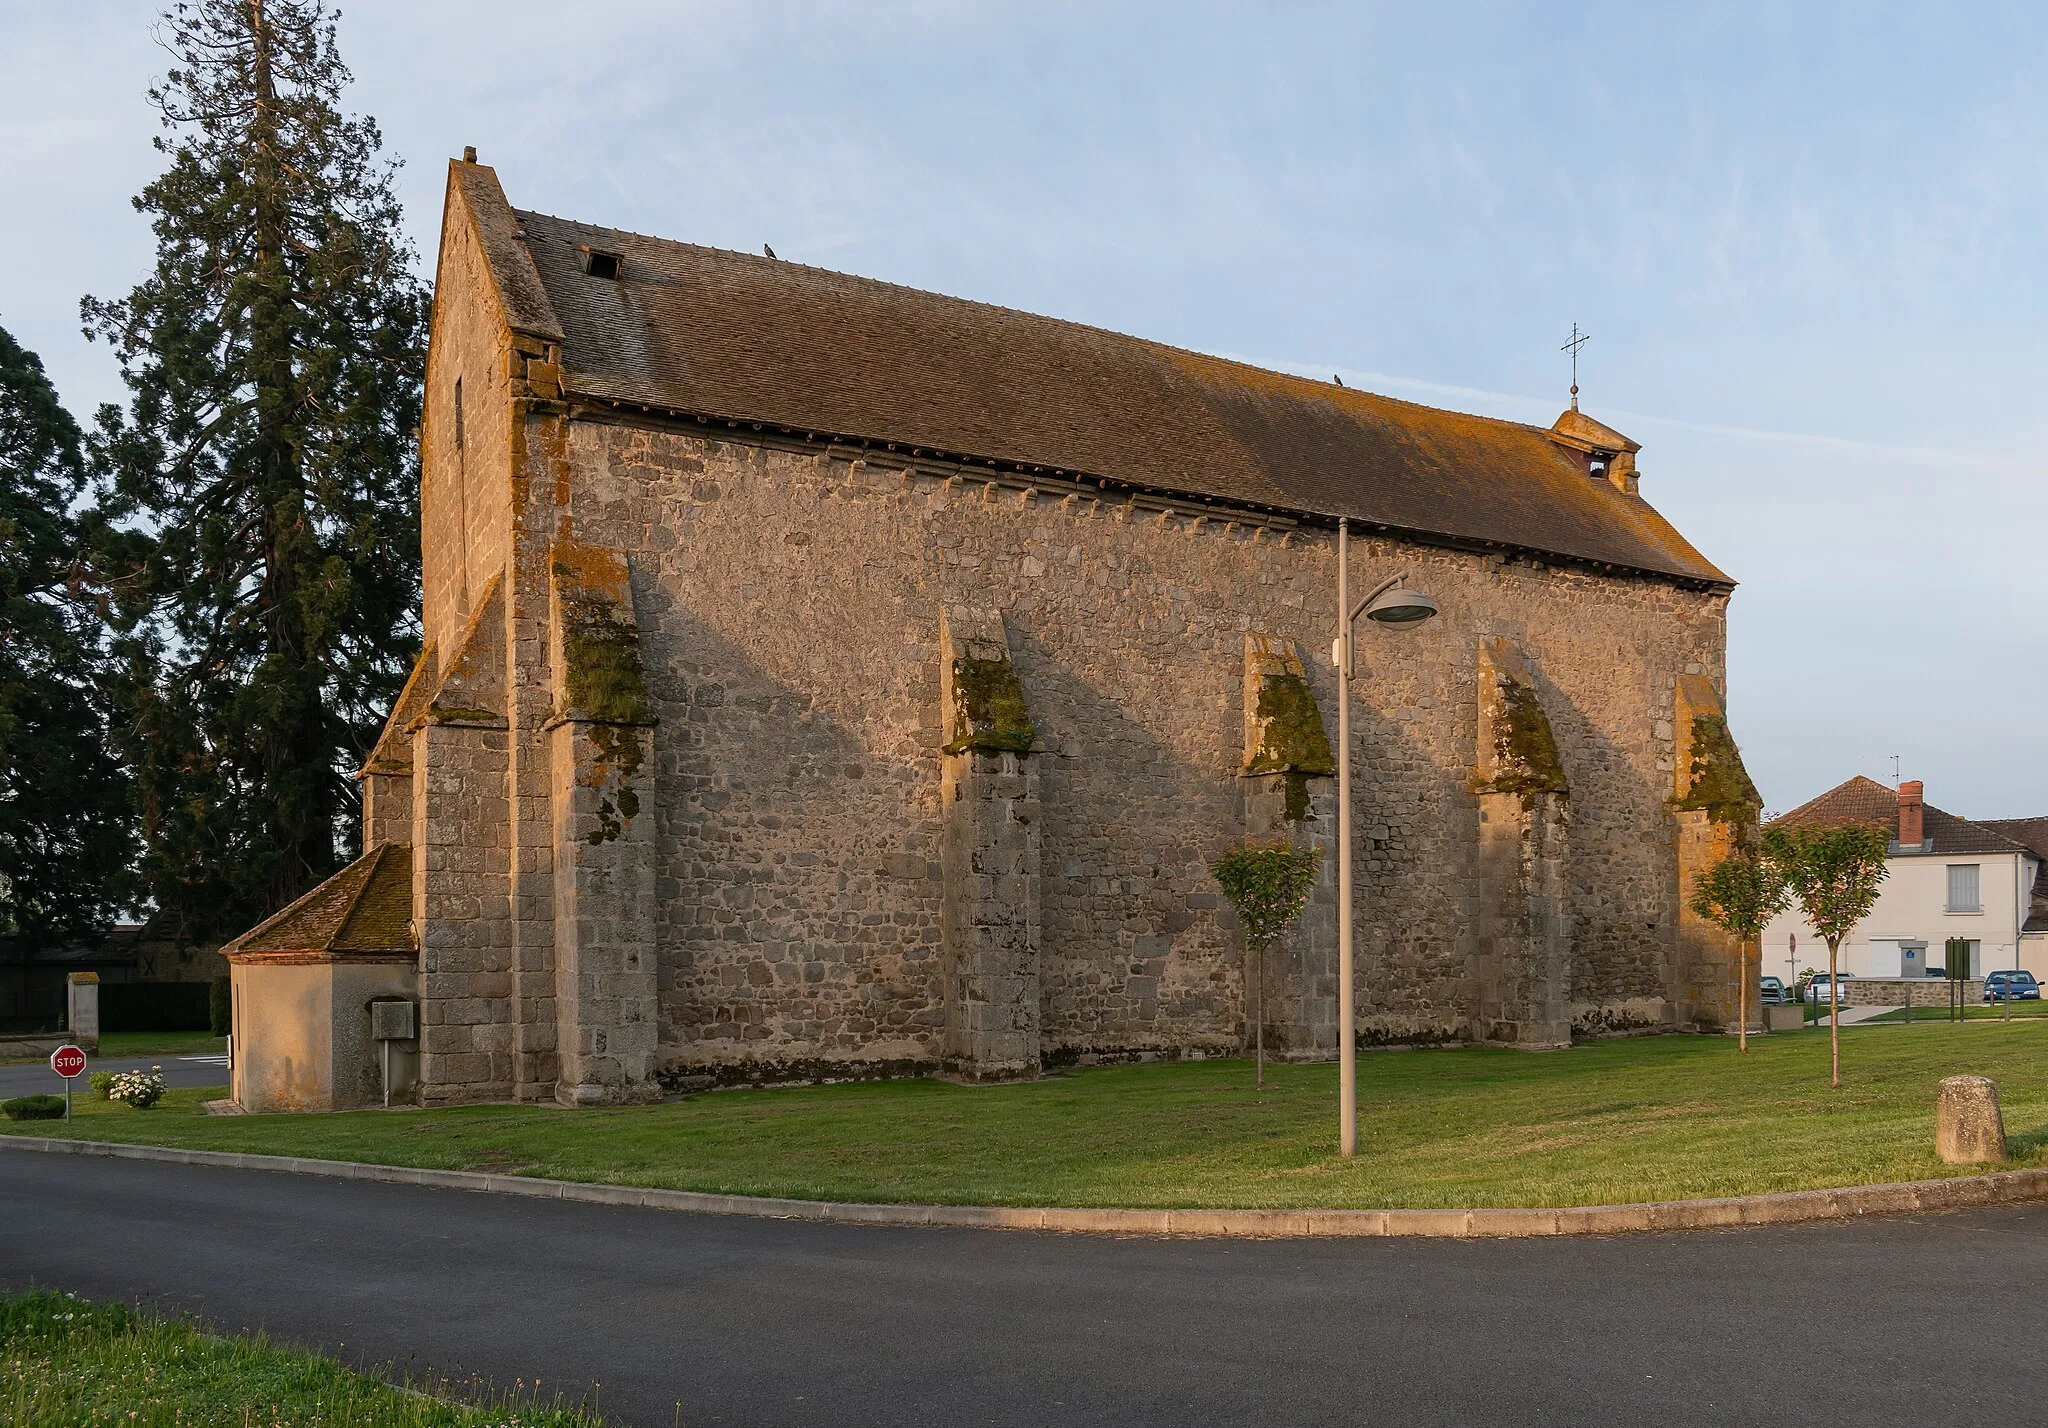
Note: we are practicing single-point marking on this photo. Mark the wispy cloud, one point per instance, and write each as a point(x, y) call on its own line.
point(1519, 407)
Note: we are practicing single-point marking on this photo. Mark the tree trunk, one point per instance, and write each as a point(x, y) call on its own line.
point(1742, 993)
point(292, 752)
point(1834, 1014)
point(1259, 1032)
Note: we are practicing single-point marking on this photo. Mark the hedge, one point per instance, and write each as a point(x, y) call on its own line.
point(221, 1007)
point(34, 1108)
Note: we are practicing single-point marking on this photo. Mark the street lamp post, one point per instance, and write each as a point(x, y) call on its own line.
point(1389, 603)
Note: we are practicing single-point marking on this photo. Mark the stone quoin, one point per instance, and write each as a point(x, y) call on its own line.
point(828, 679)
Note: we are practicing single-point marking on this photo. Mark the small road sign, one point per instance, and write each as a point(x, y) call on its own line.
point(68, 1062)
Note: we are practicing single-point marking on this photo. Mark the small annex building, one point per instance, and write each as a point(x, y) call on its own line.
point(826, 679)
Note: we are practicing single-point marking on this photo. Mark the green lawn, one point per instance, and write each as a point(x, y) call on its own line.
point(1614, 1121)
point(66, 1362)
point(127, 1045)
point(1973, 1010)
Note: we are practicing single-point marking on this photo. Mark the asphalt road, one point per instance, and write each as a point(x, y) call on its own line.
point(178, 1071)
point(703, 1320)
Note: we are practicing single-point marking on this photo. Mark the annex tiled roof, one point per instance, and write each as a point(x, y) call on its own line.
point(1865, 800)
point(363, 913)
point(707, 332)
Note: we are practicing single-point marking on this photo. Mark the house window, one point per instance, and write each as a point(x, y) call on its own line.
point(1962, 888)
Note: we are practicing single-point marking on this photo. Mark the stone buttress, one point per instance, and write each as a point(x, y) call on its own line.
point(461, 910)
point(1522, 954)
point(1289, 794)
point(1716, 808)
point(990, 925)
point(602, 741)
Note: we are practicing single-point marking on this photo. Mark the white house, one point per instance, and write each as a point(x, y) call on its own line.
point(1947, 877)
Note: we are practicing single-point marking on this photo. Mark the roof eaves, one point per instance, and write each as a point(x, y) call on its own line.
point(619, 396)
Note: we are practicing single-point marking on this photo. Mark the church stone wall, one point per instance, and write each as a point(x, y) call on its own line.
point(464, 486)
point(791, 606)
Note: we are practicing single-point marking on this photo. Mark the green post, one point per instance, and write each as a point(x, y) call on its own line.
point(1957, 950)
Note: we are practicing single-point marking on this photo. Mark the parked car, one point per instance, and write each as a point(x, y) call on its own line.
point(2011, 987)
point(1771, 991)
point(1817, 988)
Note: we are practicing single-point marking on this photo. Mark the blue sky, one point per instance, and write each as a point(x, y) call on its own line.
point(1807, 240)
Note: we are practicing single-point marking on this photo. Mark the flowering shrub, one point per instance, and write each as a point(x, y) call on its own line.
point(140, 1089)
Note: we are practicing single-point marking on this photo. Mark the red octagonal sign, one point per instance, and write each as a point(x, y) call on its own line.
point(68, 1062)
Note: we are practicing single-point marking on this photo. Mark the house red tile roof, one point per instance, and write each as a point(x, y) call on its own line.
point(704, 332)
point(361, 914)
point(2030, 832)
point(1864, 800)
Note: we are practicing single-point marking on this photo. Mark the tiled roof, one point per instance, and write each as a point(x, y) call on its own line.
point(361, 914)
point(2031, 832)
point(705, 332)
point(1860, 800)
point(1864, 800)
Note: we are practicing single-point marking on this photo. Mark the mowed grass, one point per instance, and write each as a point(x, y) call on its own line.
point(128, 1045)
point(120, 1045)
point(1654, 1118)
point(1972, 1011)
point(65, 1362)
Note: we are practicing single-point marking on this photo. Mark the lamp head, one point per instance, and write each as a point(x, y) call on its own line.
point(1401, 606)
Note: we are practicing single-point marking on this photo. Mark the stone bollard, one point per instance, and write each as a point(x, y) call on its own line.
point(1968, 1129)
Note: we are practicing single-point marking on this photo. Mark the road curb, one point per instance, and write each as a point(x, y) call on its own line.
point(1963, 1192)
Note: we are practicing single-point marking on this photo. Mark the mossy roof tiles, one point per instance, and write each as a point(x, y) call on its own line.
point(362, 913)
point(706, 332)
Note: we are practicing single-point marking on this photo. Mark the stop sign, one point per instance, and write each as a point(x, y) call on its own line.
point(68, 1062)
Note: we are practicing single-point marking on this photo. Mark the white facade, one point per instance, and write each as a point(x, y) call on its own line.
point(1914, 906)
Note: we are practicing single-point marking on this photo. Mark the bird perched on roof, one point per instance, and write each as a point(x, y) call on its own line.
point(768, 250)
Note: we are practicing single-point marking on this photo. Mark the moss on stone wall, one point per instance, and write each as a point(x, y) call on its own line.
point(1291, 735)
point(988, 707)
point(459, 714)
point(1524, 750)
point(1719, 783)
point(602, 679)
point(602, 683)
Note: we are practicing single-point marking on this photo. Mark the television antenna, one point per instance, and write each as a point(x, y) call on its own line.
point(1579, 339)
point(1880, 758)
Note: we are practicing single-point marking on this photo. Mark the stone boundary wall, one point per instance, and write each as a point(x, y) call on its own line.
point(1963, 1192)
point(1891, 992)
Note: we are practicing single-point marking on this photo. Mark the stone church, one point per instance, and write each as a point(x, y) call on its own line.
point(824, 678)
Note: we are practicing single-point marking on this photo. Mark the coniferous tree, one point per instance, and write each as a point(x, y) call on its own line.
point(273, 361)
point(64, 819)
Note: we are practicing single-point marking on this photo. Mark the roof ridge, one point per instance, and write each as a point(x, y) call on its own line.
point(1310, 384)
point(1822, 797)
point(687, 329)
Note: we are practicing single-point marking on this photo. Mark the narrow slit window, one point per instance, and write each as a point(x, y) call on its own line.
point(459, 451)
